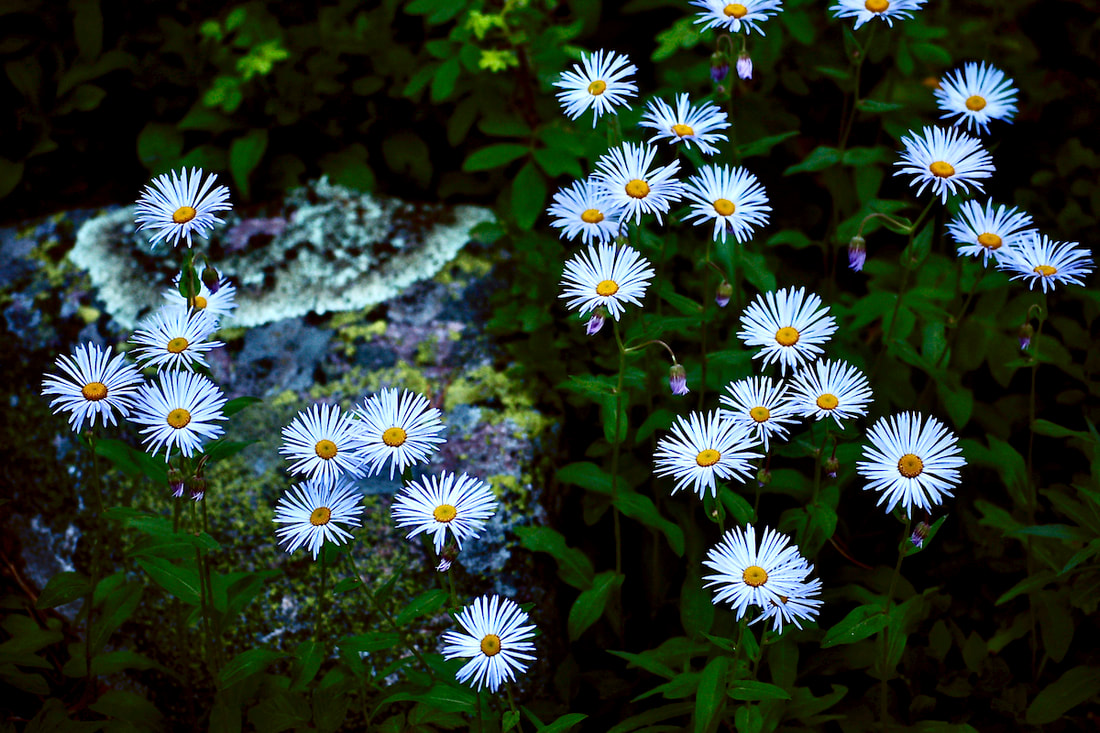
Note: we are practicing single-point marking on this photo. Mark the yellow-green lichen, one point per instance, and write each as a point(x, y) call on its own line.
point(464, 266)
point(426, 351)
point(485, 384)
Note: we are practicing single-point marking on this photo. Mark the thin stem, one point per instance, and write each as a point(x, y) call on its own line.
point(615, 445)
point(97, 519)
point(1032, 489)
point(885, 633)
point(703, 328)
point(855, 97)
point(320, 622)
point(512, 705)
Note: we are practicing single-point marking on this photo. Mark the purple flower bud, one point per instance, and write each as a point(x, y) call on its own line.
point(920, 534)
point(176, 482)
point(197, 485)
point(677, 379)
point(1025, 334)
point(857, 253)
point(211, 279)
point(744, 66)
point(832, 465)
point(595, 323)
point(723, 294)
point(719, 67)
point(763, 477)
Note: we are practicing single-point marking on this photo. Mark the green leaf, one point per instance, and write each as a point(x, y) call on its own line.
point(710, 698)
point(564, 723)
point(63, 588)
point(119, 599)
point(752, 690)
point(1046, 427)
point(236, 405)
point(443, 83)
point(374, 641)
point(861, 622)
point(866, 156)
point(641, 508)
point(590, 604)
point(764, 145)
point(183, 583)
point(654, 715)
point(159, 146)
point(424, 604)
point(696, 607)
point(574, 567)
point(494, 156)
point(906, 546)
point(129, 707)
point(683, 33)
point(110, 663)
point(308, 657)
point(932, 54)
point(1078, 685)
point(819, 158)
point(10, 176)
point(222, 448)
point(874, 107)
point(246, 664)
point(245, 153)
point(791, 238)
point(528, 195)
point(509, 721)
point(587, 475)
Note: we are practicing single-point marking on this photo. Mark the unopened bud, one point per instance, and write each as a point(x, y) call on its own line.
point(744, 66)
point(197, 486)
point(595, 323)
point(1025, 334)
point(723, 294)
point(719, 67)
point(176, 482)
point(857, 253)
point(447, 557)
point(763, 477)
point(211, 279)
point(677, 379)
point(920, 534)
point(832, 465)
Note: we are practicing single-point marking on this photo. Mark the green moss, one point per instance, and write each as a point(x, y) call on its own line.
point(465, 266)
point(486, 384)
point(427, 351)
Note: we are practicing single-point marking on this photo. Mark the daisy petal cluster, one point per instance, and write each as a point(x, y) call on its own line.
point(687, 124)
point(587, 209)
point(704, 448)
point(214, 304)
point(181, 411)
point(789, 324)
point(949, 161)
point(606, 276)
point(976, 95)
point(833, 389)
point(94, 385)
point(760, 405)
point(625, 174)
point(600, 82)
point(983, 231)
point(731, 17)
point(1038, 259)
point(911, 461)
point(865, 10)
point(175, 338)
point(399, 429)
point(730, 197)
point(308, 514)
point(459, 504)
point(323, 443)
point(495, 637)
point(175, 206)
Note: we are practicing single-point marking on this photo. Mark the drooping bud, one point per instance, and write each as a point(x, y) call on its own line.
point(447, 557)
point(832, 465)
point(1025, 334)
point(595, 323)
point(197, 487)
point(857, 253)
point(723, 294)
point(763, 477)
point(744, 66)
point(211, 278)
point(719, 67)
point(677, 379)
point(176, 482)
point(920, 534)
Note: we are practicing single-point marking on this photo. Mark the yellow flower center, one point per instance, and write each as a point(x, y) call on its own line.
point(198, 303)
point(94, 391)
point(325, 449)
point(787, 336)
point(735, 10)
point(320, 516)
point(591, 216)
point(178, 418)
point(1045, 270)
point(637, 189)
point(724, 207)
point(989, 240)
point(755, 576)
point(827, 401)
point(177, 345)
point(490, 645)
point(942, 169)
point(877, 6)
point(394, 437)
point(760, 414)
point(682, 130)
point(708, 457)
point(597, 87)
point(975, 103)
point(910, 466)
point(607, 288)
point(444, 513)
point(183, 214)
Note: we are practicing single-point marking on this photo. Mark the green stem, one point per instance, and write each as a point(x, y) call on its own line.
point(318, 627)
point(615, 445)
point(96, 547)
point(512, 706)
point(855, 96)
point(703, 327)
point(1031, 484)
point(885, 633)
point(386, 615)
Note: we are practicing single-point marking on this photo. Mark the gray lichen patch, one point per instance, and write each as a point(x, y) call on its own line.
point(328, 249)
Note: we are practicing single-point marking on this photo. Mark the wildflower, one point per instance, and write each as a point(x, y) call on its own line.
point(744, 66)
point(919, 534)
point(732, 197)
point(174, 339)
point(494, 638)
point(800, 603)
point(94, 385)
point(310, 513)
point(677, 380)
point(831, 466)
point(586, 208)
point(197, 486)
point(704, 448)
point(214, 302)
point(606, 277)
point(788, 324)
point(624, 173)
point(1036, 258)
point(857, 253)
point(731, 16)
point(460, 504)
point(323, 443)
point(865, 10)
point(401, 430)
point(719, 67)
point(176, 482)
point(760, 405)
point(181, 411)
point(976, 95)
point(723, 294)
point(910, 462)
point(595, 323)
point(833, 389)
point(950, 161)
point(687, 124)
point(1025, 334)
point(601, 84)
point(175, 206)
point(982, 231)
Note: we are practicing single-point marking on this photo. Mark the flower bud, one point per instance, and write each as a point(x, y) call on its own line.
point(857, 253)
point(175, 482)
point(763, 477)
point(595, 323)
point(719, 67)
point(1025, 334)
point(447, 557)
point(744, 66)
point(197, 486)
point(832, 465)
point(211, 279)
point(677, 379)
point(723, 294)
point(920, 534)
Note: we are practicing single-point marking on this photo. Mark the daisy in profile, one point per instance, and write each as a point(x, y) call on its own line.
point(950, 161)
point(802, 603)
point(461, 504)
point(731, 17)
point(705, 448)
point(606, 276)
point(746, 574)
point(624, 172)
point(310, 513)
point(986, 232)
point(174, 206)
point(602, 83)
point(585, 208)
point(397, 429)
point(976, 95)
point(730, 197)
point(760, 405)
point(214, 304)
point(911, 461)
point(833, 389)
point(865, 10)
point(687, 124)
point(323, 443)
point(174, 339)
point(495, 637)
point(180, 412)
point(94, 385)
point(789, 324)
point(1038, 259)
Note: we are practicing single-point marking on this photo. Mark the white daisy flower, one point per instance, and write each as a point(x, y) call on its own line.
point(792, 608)
point(911, 463)
point(747, 575)
point(732, 197)
point(624, 173)
point(587, 209)
point(494, 638)
point(687, 124)
point(731, 17)
point(704, 448)
point(174, 338)
point(401, 430)
point(788, 324)
point(865, 10)
point(180, 412)
point(988, 233)
point(606, 276)
point(977, 94)
point(1037, 258)
point(602, 84)
point(760, 405)
point(950, 161)
point(95, 385)
point(308, 514)
point(833, 389)
point(214, 305)
point(461, 504)
point(323, 443)
point(174, 206)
